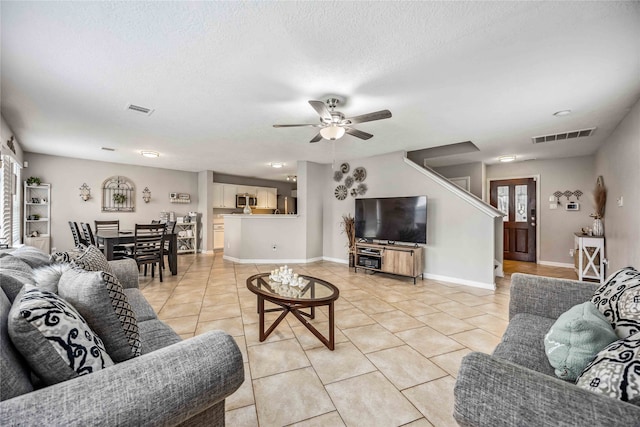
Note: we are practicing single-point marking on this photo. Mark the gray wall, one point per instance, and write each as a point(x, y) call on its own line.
point(312, 187)
point(618, 161)
point(472, 170)
point(556, 226)
point(66, 175)
point(460, 239)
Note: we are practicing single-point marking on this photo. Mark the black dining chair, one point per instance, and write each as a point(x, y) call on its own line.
point(88, 234)
point(148, 247)
point(78, 237)
point(170, 228)
point(119, 251)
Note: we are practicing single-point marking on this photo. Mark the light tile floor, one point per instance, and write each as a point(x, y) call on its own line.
point(398, 345)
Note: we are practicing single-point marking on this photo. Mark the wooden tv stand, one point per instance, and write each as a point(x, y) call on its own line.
point(402, 260)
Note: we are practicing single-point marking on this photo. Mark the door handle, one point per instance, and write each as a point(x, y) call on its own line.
point(533, 224)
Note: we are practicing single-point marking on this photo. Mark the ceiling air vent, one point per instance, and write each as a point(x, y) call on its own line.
point(564, 135)
point(139, 109)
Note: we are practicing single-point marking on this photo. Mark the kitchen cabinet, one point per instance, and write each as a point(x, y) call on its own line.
point(246, 189)
point(37, 211)
point(224, 195)
point(267, 198)
point(218, 236)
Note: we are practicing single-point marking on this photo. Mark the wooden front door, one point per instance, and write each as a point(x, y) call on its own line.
point(516, 198)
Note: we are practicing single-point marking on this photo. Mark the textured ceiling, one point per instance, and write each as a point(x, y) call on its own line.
point(219, 74)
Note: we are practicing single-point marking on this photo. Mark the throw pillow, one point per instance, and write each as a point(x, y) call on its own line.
point(14, 273)
point(32, 256)
point(100, 299)
point(92, 259)
point(575, 339)
point(47, 277)
point(615, 372)
point(619, 300)
point(53, 337)
point(68, 256)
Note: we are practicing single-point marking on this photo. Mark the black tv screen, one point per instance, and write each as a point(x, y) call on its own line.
point(396, 219)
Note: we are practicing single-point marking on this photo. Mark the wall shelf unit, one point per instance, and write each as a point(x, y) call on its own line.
point(187, 237)
point(400, 260)
point(37, 214)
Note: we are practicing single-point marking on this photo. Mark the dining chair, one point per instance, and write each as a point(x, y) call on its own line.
point(170, 228)
point(78, 237)
point(119, 251)
point(88, 234)
point(148, 247)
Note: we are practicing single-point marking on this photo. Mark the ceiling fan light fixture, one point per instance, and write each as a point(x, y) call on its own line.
point(332, 132)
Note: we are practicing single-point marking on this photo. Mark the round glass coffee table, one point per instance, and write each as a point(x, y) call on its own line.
point(293, 299)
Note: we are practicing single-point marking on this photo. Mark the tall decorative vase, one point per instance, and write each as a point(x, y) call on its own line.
point(598, 227)
point(247, 210)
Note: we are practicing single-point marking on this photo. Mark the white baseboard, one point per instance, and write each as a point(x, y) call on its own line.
point(336, 260)
point(271, 261)
point(490, 286)
point(556, 264)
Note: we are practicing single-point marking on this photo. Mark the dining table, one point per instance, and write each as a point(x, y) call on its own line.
point(112, 238)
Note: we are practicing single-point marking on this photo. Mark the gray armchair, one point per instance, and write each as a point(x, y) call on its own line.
point(516, 386)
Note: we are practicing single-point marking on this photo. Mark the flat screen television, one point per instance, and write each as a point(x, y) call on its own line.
point(395, 219)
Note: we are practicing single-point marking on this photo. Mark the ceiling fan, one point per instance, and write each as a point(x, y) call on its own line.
point(333, 125)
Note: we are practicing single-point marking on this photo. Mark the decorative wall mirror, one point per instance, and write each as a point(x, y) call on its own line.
point(118, 195)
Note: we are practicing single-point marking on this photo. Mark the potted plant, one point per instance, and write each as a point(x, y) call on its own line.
point(119, 198)
point(33, 180)
point(349, 228)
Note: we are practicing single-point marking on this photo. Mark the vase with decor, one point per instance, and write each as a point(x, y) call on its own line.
point(349, 228)
point(599, 202)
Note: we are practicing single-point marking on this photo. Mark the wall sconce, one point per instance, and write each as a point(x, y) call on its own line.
point(85, 192)
point(146, 194)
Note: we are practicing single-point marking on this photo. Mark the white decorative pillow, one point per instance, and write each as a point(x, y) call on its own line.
point(53, 337)
point(615, 372)
point(619, 300)
point(92, 260)
point(68, 256)
point(47, 277)
point(100, 298)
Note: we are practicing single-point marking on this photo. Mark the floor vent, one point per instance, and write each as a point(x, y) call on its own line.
point(564, 135)
point(139, 109)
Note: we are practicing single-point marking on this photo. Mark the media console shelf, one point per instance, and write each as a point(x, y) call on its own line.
point(394, 259)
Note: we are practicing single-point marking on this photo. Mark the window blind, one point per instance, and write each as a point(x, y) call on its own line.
point(16, 226)
point(6, 225)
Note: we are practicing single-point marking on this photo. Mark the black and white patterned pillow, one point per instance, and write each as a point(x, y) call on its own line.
point(619, 300)
point(92, 259)
point(68, 256)
point(100, 298)
point(615, 372)
point(53, 337)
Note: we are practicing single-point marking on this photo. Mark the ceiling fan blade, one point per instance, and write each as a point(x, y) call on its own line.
point(293, 126)
point(378, 115)
point(321, 109)
point(357, 133)
point(316, 138)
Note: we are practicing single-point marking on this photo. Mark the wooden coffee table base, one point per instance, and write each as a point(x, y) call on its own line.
point(296, 310)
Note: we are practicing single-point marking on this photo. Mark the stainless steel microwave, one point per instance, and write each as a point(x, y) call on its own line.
point(243, 200)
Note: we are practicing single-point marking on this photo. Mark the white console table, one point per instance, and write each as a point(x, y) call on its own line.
point(589, 257)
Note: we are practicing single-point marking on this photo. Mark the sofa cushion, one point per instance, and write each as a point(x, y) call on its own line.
point(14, 273)
point(619, 300)
point(140, 305)
point(99, 298)
point(32, 256)
point(575, 339)
point(16, 379)
point(155, 334)
point(523, 342)
point(615, 372)
point(53, 337)
point(92, 260)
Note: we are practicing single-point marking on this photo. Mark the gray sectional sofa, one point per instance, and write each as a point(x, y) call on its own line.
point(173, 382)
point(516, 386)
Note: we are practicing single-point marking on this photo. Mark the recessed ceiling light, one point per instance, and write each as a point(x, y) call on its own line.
point(506, 159)
point(276, 165)
point(562, 113)
point(152, 154)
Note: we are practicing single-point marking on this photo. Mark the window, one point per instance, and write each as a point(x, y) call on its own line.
point(10, 224)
